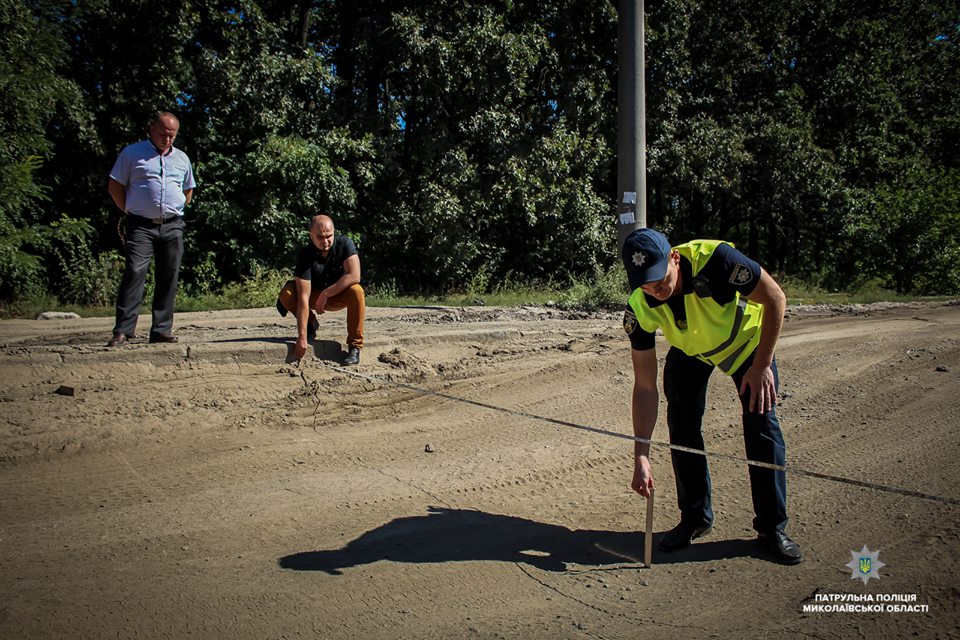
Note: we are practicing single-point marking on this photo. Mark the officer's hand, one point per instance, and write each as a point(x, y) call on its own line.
point(642, 476)
point(763, 391)
point(300, 348)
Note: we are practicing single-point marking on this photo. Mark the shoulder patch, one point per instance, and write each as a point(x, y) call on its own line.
point(629, 322)
point(740, 275)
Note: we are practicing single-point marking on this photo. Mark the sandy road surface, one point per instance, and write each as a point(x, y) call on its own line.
point(212, 489)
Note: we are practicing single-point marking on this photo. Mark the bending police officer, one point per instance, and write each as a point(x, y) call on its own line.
point(717, 308)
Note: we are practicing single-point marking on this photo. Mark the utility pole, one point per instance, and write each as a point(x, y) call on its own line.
point(631, 122)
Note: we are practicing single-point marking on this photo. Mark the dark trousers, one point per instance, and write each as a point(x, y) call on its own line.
point(685, 386)
point(146, 240)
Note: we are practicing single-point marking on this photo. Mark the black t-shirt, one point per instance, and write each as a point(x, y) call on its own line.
point(726, 273)
point(324, 271)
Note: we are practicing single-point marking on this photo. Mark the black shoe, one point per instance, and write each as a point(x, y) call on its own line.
point(312, 330)
point(682, 535)
point(167, 338)
point(282, 309)
point(353, 356)
point(118, 340)
point(784, 550)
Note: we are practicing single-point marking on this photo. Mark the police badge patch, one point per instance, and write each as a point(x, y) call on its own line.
point(629, 322)
point(741, 275)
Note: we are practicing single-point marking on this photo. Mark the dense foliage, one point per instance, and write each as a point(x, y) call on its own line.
point(465, 142)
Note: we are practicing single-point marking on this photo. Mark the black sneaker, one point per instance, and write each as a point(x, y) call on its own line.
point(353, 356)
point(784, 550)
point(282, 309)
point(682, 535)
point(312, 330)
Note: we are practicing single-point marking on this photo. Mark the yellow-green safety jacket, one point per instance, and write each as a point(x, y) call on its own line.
point(721, 335)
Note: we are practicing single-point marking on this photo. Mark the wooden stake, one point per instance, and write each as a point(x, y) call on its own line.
point(648, 536)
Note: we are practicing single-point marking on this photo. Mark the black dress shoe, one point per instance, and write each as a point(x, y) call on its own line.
point(784, 550)
point(168, 338)
point(682, 535)
point(353, 356)
point(118, 339)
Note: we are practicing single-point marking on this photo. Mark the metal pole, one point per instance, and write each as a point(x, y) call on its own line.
point(631, 119)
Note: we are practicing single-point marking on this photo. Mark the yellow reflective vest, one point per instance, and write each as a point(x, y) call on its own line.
point(723, 335)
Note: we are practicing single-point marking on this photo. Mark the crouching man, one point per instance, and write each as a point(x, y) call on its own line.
point(327, 278)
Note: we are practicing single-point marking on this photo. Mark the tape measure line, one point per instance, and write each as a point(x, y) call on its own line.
point(623, 436)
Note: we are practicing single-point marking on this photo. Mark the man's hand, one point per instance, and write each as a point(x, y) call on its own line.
point(759, 377)
point(642, 476)
point(763, 392)
point(321, 301)
point(300, 348)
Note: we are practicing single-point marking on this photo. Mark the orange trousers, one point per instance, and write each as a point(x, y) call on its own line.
point(350, 299)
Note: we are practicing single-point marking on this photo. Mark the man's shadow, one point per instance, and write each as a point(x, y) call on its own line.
point(458, 535)
point(270, 339)
point(329, 350)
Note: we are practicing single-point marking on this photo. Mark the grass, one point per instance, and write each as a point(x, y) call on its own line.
point(513, 296)
point(801, 293)
point(606, 291)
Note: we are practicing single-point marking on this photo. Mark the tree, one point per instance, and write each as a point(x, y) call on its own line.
point(490, 158)
point(907, 235)
point(32, 94)
point(462, 142)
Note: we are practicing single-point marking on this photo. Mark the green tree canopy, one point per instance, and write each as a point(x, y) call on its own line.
point(468, 140)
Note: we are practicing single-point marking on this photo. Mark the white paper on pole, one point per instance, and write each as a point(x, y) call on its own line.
point(627, 218)
point(629, 197)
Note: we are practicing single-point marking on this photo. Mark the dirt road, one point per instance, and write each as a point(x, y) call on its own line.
point(213, 489)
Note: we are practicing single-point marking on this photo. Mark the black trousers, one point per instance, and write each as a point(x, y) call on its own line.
point(146, 240)
point(685, 387)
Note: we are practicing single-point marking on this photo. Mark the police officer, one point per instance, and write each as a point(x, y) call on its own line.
point(718, 309)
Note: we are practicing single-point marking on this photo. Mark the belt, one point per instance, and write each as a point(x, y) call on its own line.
point(159, 220)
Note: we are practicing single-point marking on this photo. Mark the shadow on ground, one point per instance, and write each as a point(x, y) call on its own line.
point(328, 350)
point(459, 535)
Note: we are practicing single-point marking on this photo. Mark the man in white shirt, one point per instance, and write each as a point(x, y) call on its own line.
point(151, 183)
